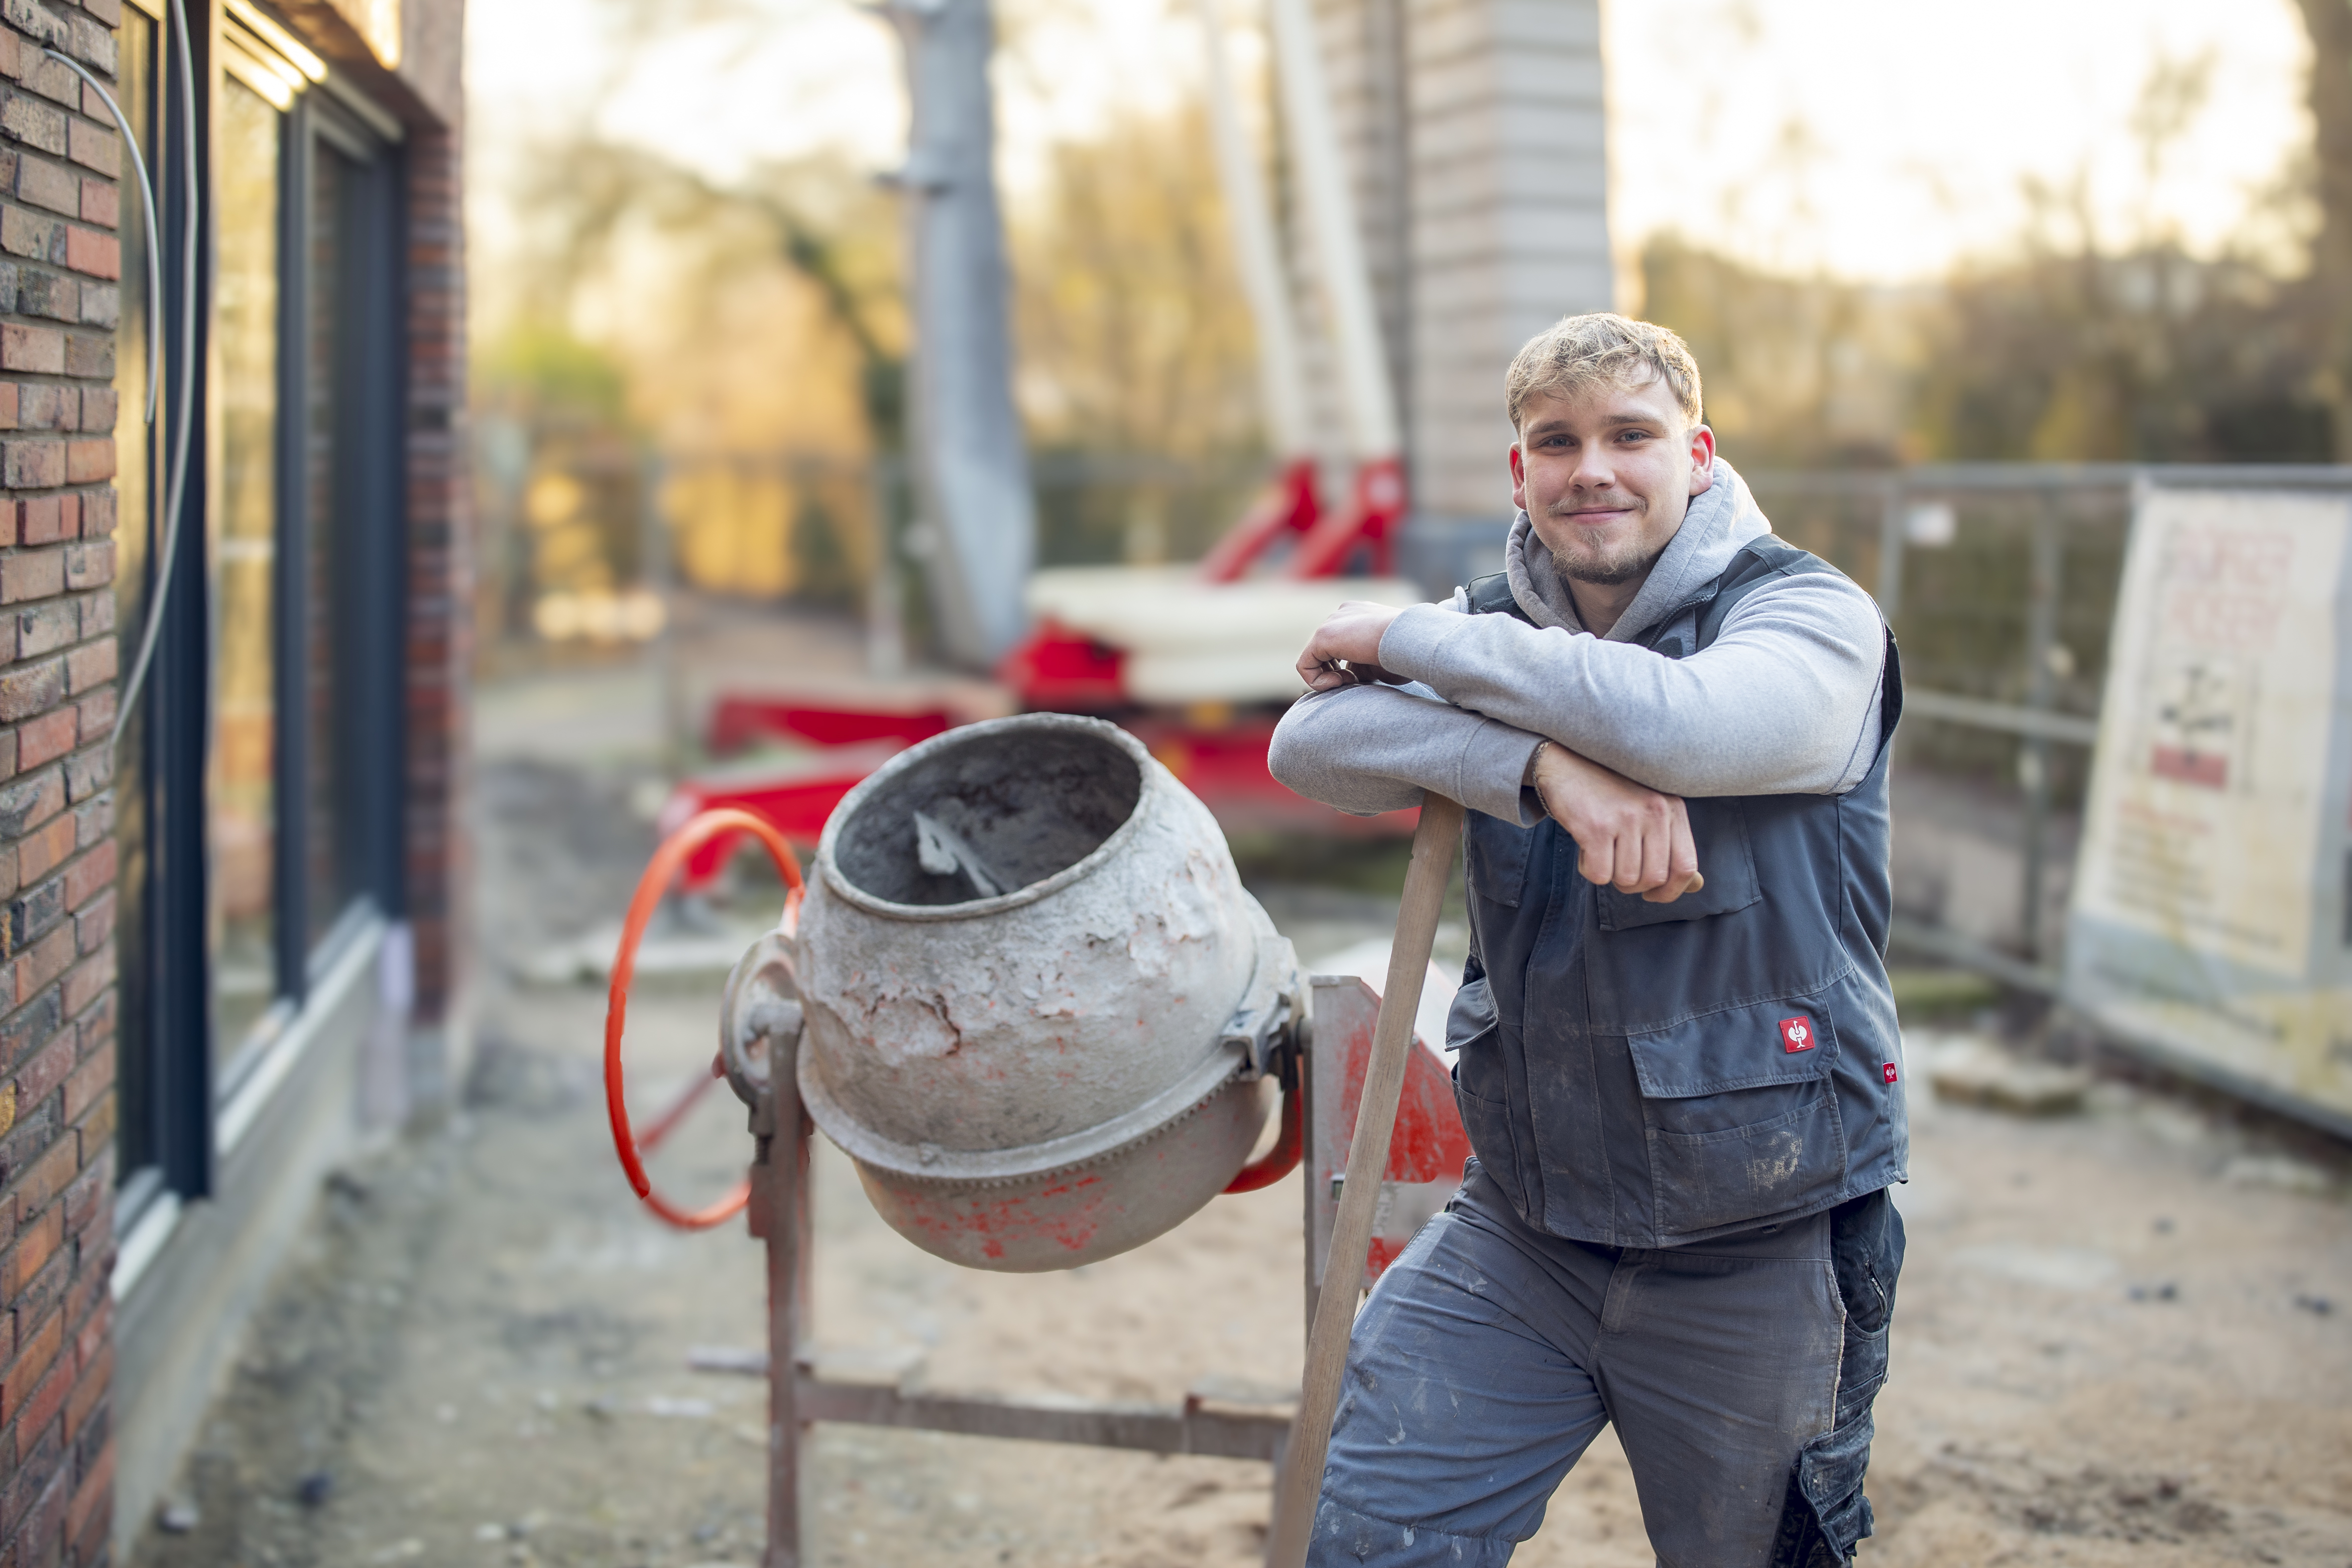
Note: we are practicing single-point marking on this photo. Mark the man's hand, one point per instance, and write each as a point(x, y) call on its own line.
point(1627, 834)
point(1350, 635)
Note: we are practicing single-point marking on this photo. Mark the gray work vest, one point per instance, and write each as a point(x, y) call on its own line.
point(1641, 1075)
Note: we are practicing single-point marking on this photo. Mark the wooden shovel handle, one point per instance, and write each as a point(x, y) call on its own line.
point(1301, 1481)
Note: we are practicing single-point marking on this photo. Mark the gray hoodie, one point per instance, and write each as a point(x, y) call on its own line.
point(1780, 703)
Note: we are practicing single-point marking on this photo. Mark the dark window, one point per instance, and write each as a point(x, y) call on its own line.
point(259, 775)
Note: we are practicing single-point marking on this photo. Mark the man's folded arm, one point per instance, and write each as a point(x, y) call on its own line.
point(1782, 702)
point(1369, 749)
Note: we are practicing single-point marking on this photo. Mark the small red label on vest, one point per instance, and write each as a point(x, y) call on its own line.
point(1889, 1071)
point(1797, 1034)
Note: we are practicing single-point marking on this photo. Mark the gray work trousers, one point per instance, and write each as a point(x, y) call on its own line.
point(1490, 1354)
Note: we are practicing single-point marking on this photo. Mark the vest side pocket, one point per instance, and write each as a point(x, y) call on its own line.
point(1739, 1115)
point(1482, 1097)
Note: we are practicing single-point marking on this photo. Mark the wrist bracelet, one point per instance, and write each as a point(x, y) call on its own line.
point(1534, 783)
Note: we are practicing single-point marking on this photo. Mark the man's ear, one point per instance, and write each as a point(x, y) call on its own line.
point(1519, 477)
point(1702, 451)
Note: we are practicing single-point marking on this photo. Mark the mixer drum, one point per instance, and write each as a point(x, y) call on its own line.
point(1027, 965)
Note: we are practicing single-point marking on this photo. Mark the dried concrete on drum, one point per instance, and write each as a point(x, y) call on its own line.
point(2109, 1349)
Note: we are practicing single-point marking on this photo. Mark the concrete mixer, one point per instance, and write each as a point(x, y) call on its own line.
point(1039, 1008)
point(1024, 989)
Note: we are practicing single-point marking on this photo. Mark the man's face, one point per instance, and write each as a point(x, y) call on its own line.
point(1605, 476)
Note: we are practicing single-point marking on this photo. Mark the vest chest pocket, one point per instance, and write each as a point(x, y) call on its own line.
point(1739, 1115)
point(1719, 834)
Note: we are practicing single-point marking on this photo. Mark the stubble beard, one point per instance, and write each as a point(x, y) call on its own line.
point(1609, 570)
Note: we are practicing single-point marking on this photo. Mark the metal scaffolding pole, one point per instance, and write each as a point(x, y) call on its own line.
point(971, 469)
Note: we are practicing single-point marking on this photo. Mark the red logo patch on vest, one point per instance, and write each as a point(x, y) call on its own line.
point(1797, 1034)
point(1889, 1070)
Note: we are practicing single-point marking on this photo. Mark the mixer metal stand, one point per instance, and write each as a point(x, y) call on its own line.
point(1337, 1044)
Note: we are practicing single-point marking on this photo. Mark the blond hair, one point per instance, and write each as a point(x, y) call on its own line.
point(1602, 349)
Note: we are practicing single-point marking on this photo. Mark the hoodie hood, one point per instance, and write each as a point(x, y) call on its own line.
point(1721, 520)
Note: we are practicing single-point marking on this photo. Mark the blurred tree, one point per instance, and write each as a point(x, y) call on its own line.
point(1128, 316)
point(1799, 372)
point(2073, 346)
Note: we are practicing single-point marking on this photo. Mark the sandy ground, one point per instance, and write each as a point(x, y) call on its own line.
point(2121, 1336)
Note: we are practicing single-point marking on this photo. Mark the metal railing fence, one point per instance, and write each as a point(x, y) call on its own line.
point(2000, 579)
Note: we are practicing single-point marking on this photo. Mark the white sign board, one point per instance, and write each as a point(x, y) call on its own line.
point(2210, 917)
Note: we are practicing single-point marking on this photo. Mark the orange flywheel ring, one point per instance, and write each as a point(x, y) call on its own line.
point(660, 872)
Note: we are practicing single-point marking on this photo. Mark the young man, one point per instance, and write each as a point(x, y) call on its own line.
point(1677, 1056)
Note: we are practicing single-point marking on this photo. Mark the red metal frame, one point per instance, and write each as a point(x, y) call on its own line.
point(1371, 520)
point(1291, 504)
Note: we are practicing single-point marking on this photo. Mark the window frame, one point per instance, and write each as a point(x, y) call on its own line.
point(179, 1077)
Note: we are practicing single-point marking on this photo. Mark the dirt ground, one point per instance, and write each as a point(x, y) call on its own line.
point(2123, 1336)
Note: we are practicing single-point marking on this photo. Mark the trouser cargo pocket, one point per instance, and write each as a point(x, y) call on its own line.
point(1826, 1515)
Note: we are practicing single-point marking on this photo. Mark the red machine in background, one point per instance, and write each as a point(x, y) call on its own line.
point(1202, 678)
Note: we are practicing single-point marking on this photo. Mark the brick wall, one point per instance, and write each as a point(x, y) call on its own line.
point(59, 303)
point(440, 582)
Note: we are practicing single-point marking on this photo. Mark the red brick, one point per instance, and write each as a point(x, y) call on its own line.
point(42, 1073)
point(101, 204)
point(37, 1355)
point(91, 355)
point(44, 406)
point(41, 576)
point(98, 507)
point(100, 407)
point(88, 461)
point(92, 1333)
point(97, 1025)
point(110, 13)
point(38, 854)
point(91, 1514)
point(40, 520)
point(91, 1377)
point(94, 821)
point(32, 463)
point(41, 350)
point(49, 78)
point(88, 1081)
point(33, 122)
point(44, 1404)
point(97, 1129)
point(49, 957)
point(46, 738)
point(7, 405)
point(93, 926)
point(28, 233)
point(50, 1176)
point(9, 67)
point(90, 876)
point(89, 564)
point(47, 184)
point(87, 979)
point(36, 1243)
point(97, 716)
point(34, 687)
point(90, 665)
point(94, 147)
